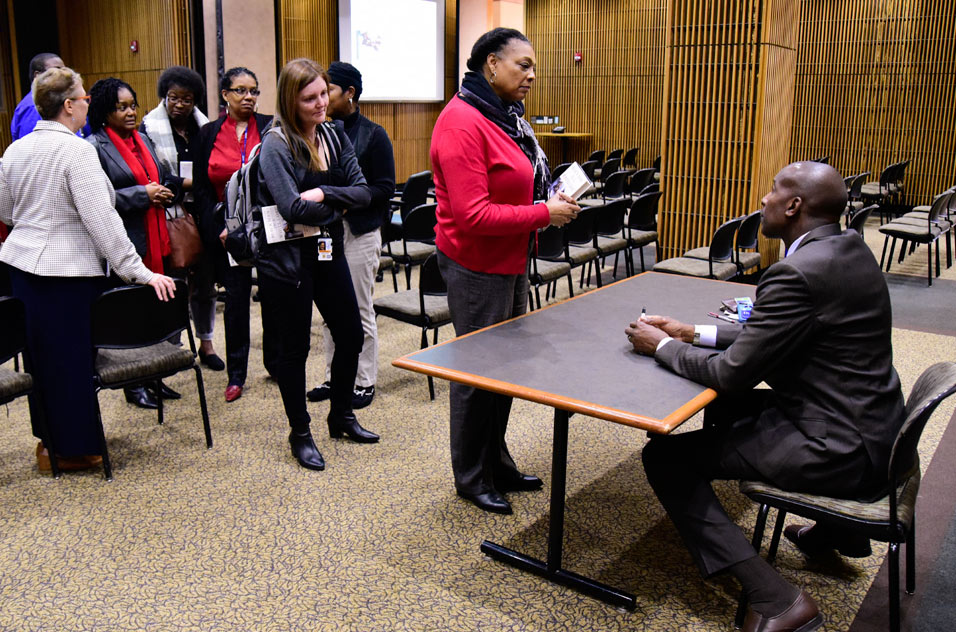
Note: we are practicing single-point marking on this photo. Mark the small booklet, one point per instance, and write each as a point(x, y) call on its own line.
point(278, 230)
point(573, 182)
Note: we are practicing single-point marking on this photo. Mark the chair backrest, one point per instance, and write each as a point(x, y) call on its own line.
point(722, 245)
point(13, 332)
point(549, 243)
point(557, 171)
point(616, 153)
point(935, 384)
point(657, 163)
point(901, 171)
point(589, 166)
point(430, 281)
point(610, 166)
point(419, 224)
point(640, 179)
point(614, 184)
point(847, 183)
point(747, 234)
point(940, 203)
point(609, 218)
point(887, 175)
point(860, 217)
point(643, 214)
point(630, 158)
point(132, 316)
point(823, 159)
point(597, 156)
point(857, 186)
point(580, 230)
point(653, 187)
point(415, 192)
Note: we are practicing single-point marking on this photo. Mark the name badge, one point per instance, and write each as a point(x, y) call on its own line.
point(325, 249)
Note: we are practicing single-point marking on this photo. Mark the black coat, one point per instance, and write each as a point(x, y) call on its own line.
point(132, 202)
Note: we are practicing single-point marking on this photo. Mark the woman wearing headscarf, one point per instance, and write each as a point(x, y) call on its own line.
point(309, 171)
point(65, 233)
point(225, 145)
point(173, 128)
point(143, 187)
point(488, 170)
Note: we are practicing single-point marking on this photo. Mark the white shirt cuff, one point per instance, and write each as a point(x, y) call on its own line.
point(707, 334)
point(662, 343)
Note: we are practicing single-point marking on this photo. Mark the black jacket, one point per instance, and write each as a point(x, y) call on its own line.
point(374, 151)
point(132, 202)
point(282, 178)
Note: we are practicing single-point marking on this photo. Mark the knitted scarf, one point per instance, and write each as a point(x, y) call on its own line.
point(478, 93)
point(158, 127)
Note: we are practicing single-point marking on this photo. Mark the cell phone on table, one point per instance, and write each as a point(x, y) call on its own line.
point(730, 305)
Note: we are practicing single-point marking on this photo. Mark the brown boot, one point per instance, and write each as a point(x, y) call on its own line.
point(66, 463)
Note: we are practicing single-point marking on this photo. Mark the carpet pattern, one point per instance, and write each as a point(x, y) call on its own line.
point(241, 538)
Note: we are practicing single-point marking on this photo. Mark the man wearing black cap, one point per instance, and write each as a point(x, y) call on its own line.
point(363, 239)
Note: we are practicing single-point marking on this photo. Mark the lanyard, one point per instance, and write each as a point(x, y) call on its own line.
point(242, 152)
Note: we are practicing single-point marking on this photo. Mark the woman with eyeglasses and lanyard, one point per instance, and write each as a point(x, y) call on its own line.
point(173, 128)
point(224, 146)
point(143, 187)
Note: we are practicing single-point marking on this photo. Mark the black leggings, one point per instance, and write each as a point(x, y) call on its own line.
point(287, 311)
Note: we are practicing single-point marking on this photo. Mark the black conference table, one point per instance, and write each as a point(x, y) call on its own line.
point(574, 357)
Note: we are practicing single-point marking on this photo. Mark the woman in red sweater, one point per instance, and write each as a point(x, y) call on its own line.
point(488, 171)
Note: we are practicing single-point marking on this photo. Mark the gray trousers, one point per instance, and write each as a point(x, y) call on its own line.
point(479, 418)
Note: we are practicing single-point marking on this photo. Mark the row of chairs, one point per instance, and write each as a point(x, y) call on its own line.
point(887, 192)
point(923, 225)
point(733, 250)
point(130, 329)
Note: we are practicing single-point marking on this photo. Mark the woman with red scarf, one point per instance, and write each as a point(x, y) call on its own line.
point(143, 188)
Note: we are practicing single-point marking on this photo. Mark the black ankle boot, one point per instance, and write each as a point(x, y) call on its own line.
point(139, 396)
point(304, 450)
point(346, 423)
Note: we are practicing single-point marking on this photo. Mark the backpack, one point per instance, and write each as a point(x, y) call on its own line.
point(244, 230)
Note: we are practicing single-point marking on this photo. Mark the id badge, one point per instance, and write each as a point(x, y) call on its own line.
point(325, 249)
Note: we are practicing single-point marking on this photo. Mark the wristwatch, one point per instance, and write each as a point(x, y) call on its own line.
point(696, 342)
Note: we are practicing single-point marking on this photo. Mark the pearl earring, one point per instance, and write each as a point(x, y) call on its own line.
point(350, 100)
point(494, 73)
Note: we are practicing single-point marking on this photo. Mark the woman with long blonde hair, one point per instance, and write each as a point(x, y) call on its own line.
point(308, 170)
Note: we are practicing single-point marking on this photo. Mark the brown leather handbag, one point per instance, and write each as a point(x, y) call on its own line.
point(185, 246)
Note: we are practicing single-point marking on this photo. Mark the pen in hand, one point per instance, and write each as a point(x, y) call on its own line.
point(643, 313)
point(721, 317)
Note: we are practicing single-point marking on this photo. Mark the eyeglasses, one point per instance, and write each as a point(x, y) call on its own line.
point(122, 107)
point(187, 101)
point(244, 91)
point(85, 97)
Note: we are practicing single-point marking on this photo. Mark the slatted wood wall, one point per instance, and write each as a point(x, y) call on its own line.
point(8, 102)
point(615, 92)
point(309, 28)
point(95, 40)
point(728, 98)
point(876, 84)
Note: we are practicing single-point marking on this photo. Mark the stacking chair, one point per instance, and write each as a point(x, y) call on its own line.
point(597, 156)
point(385, 264)
point(14, 384)
point(657, 169)
point(414, 193)
point(944, 220)
point(629, 161)
point(426, 307)
point(859, 219)
point(641, 227)
point(609, 233)
point(879, 192)
point(639, 180)
point(854, 201)
point(130, 329)
point(748, 243)
point(547, 264)
point(417, 240)
point(822, 159)
point(589, 167)
point(920, 232)
point(613, 189)
point(615, 153)
point(891, 519)
point(719, 264)
point(579, 243)
point(557, 171)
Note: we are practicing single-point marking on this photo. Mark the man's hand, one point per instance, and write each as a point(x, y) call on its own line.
point(673, 328)
point(644, 337)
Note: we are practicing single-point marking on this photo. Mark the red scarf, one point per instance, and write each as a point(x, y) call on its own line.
point(145, 171)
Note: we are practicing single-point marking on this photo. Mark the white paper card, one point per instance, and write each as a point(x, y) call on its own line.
point(573, 182)
point(276, 227)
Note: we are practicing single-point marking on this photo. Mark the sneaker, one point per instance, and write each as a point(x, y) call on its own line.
point(320, 393)
point(362, 396)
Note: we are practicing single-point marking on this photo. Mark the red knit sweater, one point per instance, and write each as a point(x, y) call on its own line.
point(484, 185)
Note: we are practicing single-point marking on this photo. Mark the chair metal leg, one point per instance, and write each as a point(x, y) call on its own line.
point(159, 400)
point(570, 284)
point(911, 558)
point(107, 467)
point(889, 261)
point(200, 388)
point(775, 539)
point(537, 293)
point(395, 276)
point(894, 581)
point(408, 276)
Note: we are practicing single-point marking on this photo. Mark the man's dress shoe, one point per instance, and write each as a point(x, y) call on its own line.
point(165, 392)
point(813, 543)
point(304, 450)
point(802, 615)
point(346, 423)
point(489, 501)
point(141, 397)
point(519, 483)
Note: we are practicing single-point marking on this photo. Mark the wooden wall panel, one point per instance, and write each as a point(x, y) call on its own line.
point(95, 37)
point(615, 92)
point(309, 29)
point(875, 84)
point(8, 93)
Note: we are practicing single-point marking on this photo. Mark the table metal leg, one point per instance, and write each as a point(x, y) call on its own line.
point(551, 569)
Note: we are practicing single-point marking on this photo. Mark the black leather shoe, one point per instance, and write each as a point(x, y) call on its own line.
point(304, 450)
point(489, 501)
point(212, 361)
point(320, 393)
point(518, 483)
point(813, 541)
point(347, 424)
point(139, 396)
point(165, 392)
point(802, 615)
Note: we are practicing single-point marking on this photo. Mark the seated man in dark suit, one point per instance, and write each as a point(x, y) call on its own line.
point(819, 336)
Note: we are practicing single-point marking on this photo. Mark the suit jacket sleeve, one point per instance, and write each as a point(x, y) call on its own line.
point(782, 320)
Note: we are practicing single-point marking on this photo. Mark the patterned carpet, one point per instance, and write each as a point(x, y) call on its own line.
point(241, 538)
